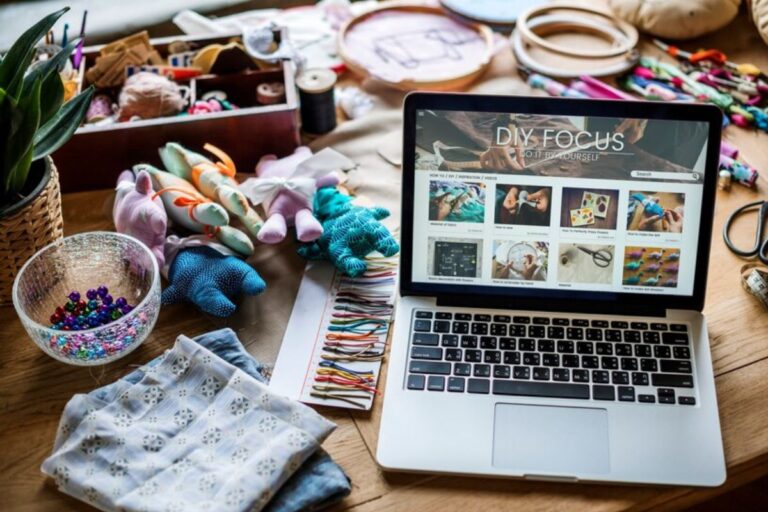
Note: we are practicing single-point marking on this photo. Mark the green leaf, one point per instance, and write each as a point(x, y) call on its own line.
point(52, 94)
point(19, 57)
point(19, 145)
point(53, 134)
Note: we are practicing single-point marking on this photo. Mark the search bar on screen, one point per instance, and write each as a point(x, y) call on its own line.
point(660, 175)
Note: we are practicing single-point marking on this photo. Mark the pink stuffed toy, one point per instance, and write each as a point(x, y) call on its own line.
point(138, 214)
point(287, 187)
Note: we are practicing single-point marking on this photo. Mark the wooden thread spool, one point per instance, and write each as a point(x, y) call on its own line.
point(318, 108)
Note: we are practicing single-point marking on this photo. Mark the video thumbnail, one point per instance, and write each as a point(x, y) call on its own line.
point(651, 266)
point(589, 208)
point(521, 261)
point(456, 201)
point(455, 257)
point(585, 263)
point(655, 211)
point(526, 205)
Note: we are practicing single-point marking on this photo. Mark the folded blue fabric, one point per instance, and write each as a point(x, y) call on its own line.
point(318, 483)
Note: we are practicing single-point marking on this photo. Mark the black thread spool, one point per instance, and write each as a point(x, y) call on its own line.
point(318, 108)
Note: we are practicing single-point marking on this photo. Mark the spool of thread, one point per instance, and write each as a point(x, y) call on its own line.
point(99, 109)
point(270, 93)
point(318, 107)
point(724, 182)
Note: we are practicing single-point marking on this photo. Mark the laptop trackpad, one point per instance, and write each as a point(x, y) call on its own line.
point(544, 440)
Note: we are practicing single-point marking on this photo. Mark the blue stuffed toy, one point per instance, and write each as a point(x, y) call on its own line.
point(210, 280)
point(350, 232)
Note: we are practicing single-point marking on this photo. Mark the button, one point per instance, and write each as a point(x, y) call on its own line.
point(540, 389)
point(422, 338)
point(686, 400)
point(672, 381)
point(603, 393)
point(430, 367)
point(482, 386)
point(442, 315)
point(658, 327)
point(580, 322)
point(540, 320)
point(456, 384)
point(521, 319)
point(462, 316)
point(560, 321)
point(416, 381)
point(423, 314)
point(678, 327)
point(482, 370)
point(674, 338)
point(435, 383)
point(599, 323)
point(504, 319)
point(450, 340)
point(422, 326)
point(462, 369)
point(427, 353)
point(501, 371)
point(482, 318)
point(619, 324)
point(441, 326)
point(639, 325)
point(626, 394)
point(647, 399)
point(675, 366)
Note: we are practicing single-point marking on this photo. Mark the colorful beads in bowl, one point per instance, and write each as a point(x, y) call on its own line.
point(78, 314)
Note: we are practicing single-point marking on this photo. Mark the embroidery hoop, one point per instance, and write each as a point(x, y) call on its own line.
point(457, 81)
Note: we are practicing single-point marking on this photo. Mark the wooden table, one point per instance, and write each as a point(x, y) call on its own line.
point(34, 388)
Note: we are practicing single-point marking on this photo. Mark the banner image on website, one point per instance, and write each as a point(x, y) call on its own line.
point(545, 145)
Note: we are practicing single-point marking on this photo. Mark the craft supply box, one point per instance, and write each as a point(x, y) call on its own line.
point(95, 156)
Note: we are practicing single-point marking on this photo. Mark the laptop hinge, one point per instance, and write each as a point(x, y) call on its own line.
point(570, 306)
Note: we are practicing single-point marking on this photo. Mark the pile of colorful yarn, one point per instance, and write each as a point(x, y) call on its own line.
point(100, 309)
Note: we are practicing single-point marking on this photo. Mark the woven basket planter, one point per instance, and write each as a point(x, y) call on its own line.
point(30, 225)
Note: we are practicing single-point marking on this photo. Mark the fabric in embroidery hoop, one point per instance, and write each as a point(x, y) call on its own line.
point(415, 47)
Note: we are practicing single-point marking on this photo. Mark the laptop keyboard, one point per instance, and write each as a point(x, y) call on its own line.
point(554, 357)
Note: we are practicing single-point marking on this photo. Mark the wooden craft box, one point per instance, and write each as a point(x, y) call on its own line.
point(95, 156)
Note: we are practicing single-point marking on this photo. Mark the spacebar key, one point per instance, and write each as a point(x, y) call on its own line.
point(521, 388)
point(430, 367)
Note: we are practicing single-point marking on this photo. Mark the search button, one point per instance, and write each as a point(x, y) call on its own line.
point(661, 175)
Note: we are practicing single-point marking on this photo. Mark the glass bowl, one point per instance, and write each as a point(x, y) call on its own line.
point(81, 262)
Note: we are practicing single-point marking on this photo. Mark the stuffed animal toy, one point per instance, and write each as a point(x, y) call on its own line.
point(139, 214)
point(678, 19)
point(193, 211)
point(215, 181)
point(287, 186)
point(350, 233)
point(758, 11)
point(210, 280)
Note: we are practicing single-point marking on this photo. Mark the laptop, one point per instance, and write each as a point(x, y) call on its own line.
point(553, 271)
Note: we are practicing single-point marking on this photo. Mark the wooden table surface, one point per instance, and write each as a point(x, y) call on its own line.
point(34, 388)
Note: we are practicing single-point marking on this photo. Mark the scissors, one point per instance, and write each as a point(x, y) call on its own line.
point(601, 257)
point(760, 249)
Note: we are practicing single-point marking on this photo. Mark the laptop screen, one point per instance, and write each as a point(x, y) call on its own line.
point(579, 203)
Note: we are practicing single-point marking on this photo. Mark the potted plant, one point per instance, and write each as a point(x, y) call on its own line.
point(34, 122)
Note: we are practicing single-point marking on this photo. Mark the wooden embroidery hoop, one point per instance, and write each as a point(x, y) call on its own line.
point(458, 81)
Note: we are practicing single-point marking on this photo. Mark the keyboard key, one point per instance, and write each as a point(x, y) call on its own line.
point(673, 366)
point(537, 331)
point(560, 321)
point(609, 363)
point(512, 358)
point(468, 341)
point(580, 322)
point(594, 334)
point(561, 374)
point(540, 389)
point(649, 365)
point(449, 340)
point(481, 370)
point(482, 318)
point(659, 327)
point(492, 357)
point(681, 352)
point(603, 393)
point(423, 314)
point(666, 392)
point(453, 354)
point(462, 369)
point(580, 376)
point(672, 381)
point(443, 315)
point(507, 344)
point(678, 327)
point(540, 320)
point(625, 349)
point(686, 400)
point(574, 333)
point(619, 377)
point(473, 356)
point(639, 325)
point(629, 364)
point(589, 362)
point(480, 386)
point(423, 338)
point(526, 345)
point(517, 330)
point(426, 353)
point(648, 399)
point(570, 361)
point(603, 349)
point(430, 367)
point(639, 379)
point(600, 377)
point(456, 384)
point(422, 326)
point(416, 381)
point(612, 335)
point(626, 394)
point(632, 336)
point(642, 350)
point(666, 399)
point(619, 324)
point(501, 371)
point(546, 346)
point(503, 319)
point(651, 337)
point(521, 319)
point(464, 317)
point(488, 342)
point(498, 329)
point(662, 352)
point(521, 372)
point(555, 332)
point(565, 346)
point(585, 347)
point(460, 328)
point(435, 383)
point(531, 358)
point(674, 338)
point(550, 360)
point(540, 373)
point(480, 329)
point(600, 323)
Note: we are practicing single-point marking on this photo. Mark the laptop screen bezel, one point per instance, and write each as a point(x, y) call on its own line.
point(558, 300)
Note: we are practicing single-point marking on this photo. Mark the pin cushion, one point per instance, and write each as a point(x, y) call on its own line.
point(89, 299)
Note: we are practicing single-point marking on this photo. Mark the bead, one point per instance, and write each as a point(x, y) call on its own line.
point(115, 314)
point(74, 296)
point(56, 318)
point(69, 306)
point(126, 309)
point(93, 304)
point(60, 310)
point(106, 299)
point(91, 294)
point(120, 302)
point(102, 291)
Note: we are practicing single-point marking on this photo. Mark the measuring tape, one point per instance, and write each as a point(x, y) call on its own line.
point(754, 279)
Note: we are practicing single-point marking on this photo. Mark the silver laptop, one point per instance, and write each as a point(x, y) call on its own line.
point(553, 271)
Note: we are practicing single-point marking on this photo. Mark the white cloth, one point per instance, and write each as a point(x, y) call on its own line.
point(195, 433)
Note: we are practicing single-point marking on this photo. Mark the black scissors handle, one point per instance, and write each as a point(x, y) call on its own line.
point(601, 257)
point(760, 249)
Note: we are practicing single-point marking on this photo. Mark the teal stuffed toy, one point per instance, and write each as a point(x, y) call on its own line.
point(350, 232)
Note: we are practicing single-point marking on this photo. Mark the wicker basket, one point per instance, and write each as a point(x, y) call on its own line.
point(29, 227)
